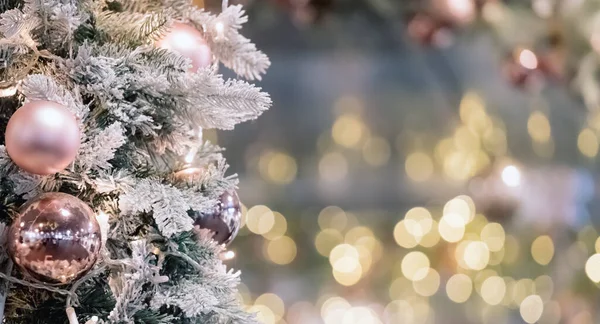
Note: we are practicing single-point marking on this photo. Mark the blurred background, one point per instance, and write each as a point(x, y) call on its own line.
point(427, 161)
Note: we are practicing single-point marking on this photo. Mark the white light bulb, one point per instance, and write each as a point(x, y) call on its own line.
point(511, 176)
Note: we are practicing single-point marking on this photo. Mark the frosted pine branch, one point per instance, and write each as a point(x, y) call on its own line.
point(14, 22)
point(128, 286)
point(100, 148)
point(227, 44)
point(134, 27)
point(146, 110)
point(169, 205)
point(117, 180)
point(234, 50)
point(30, 185)
point(215, 103)
point(41, 87)
point(193, 298)
point(6, 164)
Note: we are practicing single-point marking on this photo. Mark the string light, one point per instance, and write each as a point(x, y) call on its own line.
point(8, 92)
point(227, 255)
point(102, 219)
point(528, 59)
point(511, 176)
point(220, 30)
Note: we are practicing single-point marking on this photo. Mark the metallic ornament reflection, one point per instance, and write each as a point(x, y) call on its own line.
point(226, 219)
point(42, 137)
point(188, 42)
point(56, 238)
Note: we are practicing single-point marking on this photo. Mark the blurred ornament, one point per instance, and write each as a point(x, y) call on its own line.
point(553, 64)
point(226, 219)
point(42, 137)
point(428, 30)
point(188, 42)
point(307, 11)
point(522, 69)
point(497, 191)
point(56, 238)
point(456, 12)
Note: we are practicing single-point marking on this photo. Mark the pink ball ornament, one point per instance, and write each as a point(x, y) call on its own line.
point(42, 137)
point(188, 42)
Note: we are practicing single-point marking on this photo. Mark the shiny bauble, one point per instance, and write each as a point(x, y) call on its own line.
point(55, 239)
point(224, 222)
point(42, 137)
point(188, 42)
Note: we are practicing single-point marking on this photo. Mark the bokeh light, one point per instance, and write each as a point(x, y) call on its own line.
point(278, 167)
point(493, 290)
point(592, 268)
point(459, 288)
point(273, 302)
point(452, 227)
point(476, 255)
point(348, 130)
point(429, 285)
point(531, 308)
point(260, 219)
point(332, 217)
point(418, 222)
point(279, 227)
point(493, 236)
point(415, 266)
point(538, 127)
point(419, 166)
point(511, 176)
point(528, 59)
point(281, 250)
point(326, 240)
point(333, 167)
point(376, 151)
point(263, 314)
point(403, 237)
point(587, 142)
point(542, 250)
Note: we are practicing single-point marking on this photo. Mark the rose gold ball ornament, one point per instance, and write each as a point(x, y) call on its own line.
point(225, 221)
point(42, 137)
point(56, 238)
point(188, 42)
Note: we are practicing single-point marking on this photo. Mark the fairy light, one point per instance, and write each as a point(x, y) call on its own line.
point(189, 158)
point(511, 176)
point(102, 219)
point(220, 30)
point(528, 59)
point(227, 255)
point(8, 92)
point(464, 10)
point(93, 320)
point(531, 308)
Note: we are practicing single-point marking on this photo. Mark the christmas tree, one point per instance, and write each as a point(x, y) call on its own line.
point(114, 210)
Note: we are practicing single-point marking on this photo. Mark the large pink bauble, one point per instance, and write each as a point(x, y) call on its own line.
point(188, 42)
point(42, 137)
point(55, 238)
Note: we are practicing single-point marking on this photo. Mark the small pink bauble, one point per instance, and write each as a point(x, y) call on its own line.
point(42, 137)
point(188, 42)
